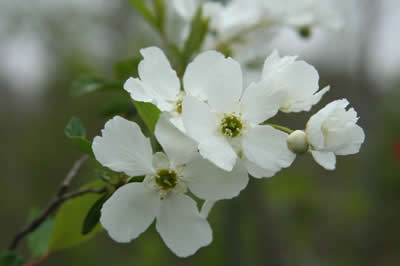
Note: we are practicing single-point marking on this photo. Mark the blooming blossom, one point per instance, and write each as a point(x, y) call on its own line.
point(161, 196)
point(298, 79)
point(224, 120)
point(333, 131)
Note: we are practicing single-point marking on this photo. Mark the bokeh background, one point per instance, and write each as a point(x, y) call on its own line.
point(302, 216)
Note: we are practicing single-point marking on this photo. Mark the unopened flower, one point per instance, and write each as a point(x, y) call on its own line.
point(333, 131)
point(161, 196)
point(226, 123)
point(298, 79)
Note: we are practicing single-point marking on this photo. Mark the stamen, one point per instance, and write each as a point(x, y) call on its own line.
point(166, 179)
point(231, 126)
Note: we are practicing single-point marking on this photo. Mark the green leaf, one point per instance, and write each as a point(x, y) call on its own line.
point(198, 31)
point(144, 11)
point(10, 258)
point(127, 68)
point(75, 128)
point(38, 241)
point(149, 113)
point(160, 13)
point(93, 216)
point(77, 133)
point(70, 217)
point(91, 84)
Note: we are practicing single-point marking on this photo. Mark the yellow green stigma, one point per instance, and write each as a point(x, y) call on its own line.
point(231, 126)
point(166, 179)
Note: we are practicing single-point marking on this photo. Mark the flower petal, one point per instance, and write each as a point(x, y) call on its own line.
point(355, 139)
point(160, 79)
point(215, 78)
point(314, 132)
point(258, 172)
point(196, 79)
point(325, 159)
point(138, 90)
point(180, 225)
point(129, 211)
point(198, 121)
point(160, 161)
point(123, 148)
point(218, 150)
point(260, 103)
point(209, 182)
point(267, 148)
point(179, 147)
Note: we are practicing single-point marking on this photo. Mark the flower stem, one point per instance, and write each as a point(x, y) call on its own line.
point(281, 128)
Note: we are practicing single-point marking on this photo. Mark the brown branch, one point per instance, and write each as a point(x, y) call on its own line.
point(60, 197)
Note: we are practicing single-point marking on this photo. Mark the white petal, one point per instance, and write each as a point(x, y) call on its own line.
point(226, 85)
point(218, 150)
point(274, 64)
point(179, 147)
point(260, 103)
point(267, 148)
point(355, 139)
point(155, 71)
point(123, 148)
point(314, 132)
point(325, 159)
point(198, 121)
point(258, 172)
point(300, 80)
point(129, 211)
point(160, 161)
point(209, 182)
point(206, 208)
point(197, 75)
point(215, 78)
point(181, 227)
point(138, 90)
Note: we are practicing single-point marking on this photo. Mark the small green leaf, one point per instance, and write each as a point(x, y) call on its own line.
point(149, 113)
point(160, 13)
point(70, 217)
point(144, 11)
point(10, 258)
point(91, 84)
point(93, 216)
point(38, 241)
point(127, 68)
point(198, 31)
point(75, 128)
point(77, 133)
point(83, 145)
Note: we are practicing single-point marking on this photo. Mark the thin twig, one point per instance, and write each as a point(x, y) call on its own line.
point(60, 197)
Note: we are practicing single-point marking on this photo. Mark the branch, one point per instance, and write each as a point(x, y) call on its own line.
point(60, 197)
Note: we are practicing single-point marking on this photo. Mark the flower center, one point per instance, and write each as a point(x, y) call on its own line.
point(166, 179)
point(179, 106)
point(231, 126)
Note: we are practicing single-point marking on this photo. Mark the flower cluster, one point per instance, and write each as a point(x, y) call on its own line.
point(243, 25)
point(214, 134)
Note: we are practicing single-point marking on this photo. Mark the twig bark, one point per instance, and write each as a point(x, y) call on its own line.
point(60, 197)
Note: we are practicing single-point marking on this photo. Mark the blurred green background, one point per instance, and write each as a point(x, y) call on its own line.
point(302, 216)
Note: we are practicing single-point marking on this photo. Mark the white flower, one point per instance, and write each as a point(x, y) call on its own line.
point(333, 131)
point(133, 207)
point(227, 126)
point(304, 13)
point(298, 79)
point(157, 84)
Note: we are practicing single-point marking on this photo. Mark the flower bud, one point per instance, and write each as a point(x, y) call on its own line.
point(297, 142)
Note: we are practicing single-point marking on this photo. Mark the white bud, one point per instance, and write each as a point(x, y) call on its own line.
point(297, 142)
